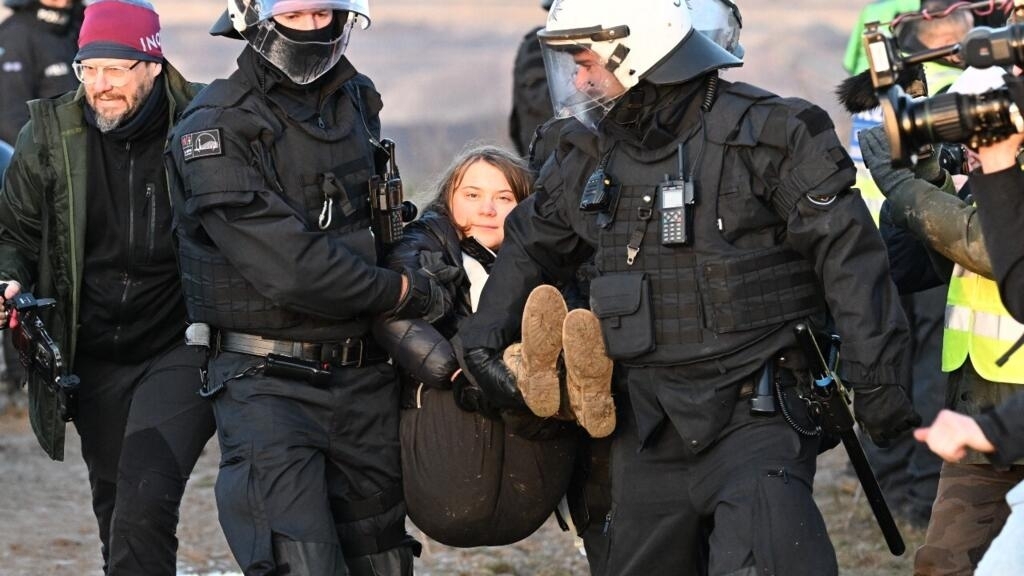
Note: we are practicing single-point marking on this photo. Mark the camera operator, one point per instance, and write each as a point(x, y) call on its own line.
point(977, 332)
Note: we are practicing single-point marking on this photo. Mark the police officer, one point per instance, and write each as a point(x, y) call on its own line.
point(37, 45)
point(716, 212)
point(270, 173)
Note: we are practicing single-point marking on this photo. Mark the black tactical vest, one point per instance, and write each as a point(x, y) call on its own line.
point(310, 167)
point(733, 285)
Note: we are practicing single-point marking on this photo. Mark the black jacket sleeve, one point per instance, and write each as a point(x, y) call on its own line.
point(417, 347)
point(1004, 428)
point(828, 222)
point(267, 240)
point(1000, 200)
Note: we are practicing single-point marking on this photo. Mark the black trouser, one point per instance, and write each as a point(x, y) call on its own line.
point(748, 497)
point(310, 478)
point(143, 426)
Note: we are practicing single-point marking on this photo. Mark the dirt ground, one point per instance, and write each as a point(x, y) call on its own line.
point(444, 70)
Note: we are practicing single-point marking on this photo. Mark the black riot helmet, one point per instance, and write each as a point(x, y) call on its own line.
point(302, 61)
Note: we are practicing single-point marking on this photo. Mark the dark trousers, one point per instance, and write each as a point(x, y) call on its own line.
point(907, 471)
point(748, 497)
point(310, 477)
point(143, 426)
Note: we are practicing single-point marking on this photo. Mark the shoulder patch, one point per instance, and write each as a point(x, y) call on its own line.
point(816, 120)
point(201, 144)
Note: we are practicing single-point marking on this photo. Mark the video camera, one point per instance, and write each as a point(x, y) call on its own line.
point(912, 125)
point(39, 352)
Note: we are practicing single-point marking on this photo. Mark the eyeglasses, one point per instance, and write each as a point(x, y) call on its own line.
point(116, 76)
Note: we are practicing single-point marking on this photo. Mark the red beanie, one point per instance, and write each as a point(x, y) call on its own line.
point(126, 29)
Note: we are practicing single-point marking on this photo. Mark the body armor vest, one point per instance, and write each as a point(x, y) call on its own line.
point(735, 283)
point(323, 173)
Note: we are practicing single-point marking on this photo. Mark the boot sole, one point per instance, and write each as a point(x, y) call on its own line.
point(543, 315)
point(588, 373)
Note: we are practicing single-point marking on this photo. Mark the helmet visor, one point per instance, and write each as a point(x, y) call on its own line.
point(719, 21)
point(302, 62)
point(582, 81)
point(253, 12)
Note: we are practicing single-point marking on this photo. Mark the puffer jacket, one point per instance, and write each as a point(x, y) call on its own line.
point(421, 350)
point(42, 224)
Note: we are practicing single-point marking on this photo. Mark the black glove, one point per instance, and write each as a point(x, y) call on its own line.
point(485, 367)
point(470, 397)
point(874, 148)
point(884, 412)
point(429, 295)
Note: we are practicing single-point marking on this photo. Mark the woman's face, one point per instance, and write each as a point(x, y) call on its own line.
point(481, 202)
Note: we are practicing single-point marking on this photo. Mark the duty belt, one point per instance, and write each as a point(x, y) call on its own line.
point(350, 352)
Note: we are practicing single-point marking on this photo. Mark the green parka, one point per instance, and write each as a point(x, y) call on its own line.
point(42, 225)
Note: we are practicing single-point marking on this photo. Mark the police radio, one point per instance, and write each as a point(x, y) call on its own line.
point(390, 210)
point(676, 200)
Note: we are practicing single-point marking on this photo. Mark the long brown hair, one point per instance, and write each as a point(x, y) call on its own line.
point(510, 164)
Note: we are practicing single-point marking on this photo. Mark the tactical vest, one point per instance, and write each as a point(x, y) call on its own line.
point(978, 325)
point(310, 167)
point(735, 284)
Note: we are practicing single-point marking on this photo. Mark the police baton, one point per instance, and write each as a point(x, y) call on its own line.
point(832, 403)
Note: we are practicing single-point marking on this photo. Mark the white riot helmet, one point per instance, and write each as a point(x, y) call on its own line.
point(596, 50)
point(302, 61)
point(720, 21)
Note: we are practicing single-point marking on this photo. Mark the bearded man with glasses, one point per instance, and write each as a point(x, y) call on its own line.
point(85, 219)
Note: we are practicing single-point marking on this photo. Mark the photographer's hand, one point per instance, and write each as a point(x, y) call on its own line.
point(1000, 155)
point(11, 288)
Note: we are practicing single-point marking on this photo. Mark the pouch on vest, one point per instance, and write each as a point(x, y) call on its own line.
point(622, 302)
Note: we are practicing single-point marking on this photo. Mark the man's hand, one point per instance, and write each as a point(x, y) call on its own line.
point(485, 367)
point(884, 412)
point(951, 434)
point(11, 288)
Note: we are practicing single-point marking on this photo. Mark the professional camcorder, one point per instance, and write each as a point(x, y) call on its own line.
point(40, 353)
point(974, 119)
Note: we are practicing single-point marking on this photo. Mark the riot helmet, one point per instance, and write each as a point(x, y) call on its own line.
point(596, 50)
point(720, 21)
point(301, 59)
point(6, 152)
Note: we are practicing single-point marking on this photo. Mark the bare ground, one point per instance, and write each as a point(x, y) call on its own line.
point(443, 68)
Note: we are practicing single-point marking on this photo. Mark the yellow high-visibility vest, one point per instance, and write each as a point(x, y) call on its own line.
point(977, 325)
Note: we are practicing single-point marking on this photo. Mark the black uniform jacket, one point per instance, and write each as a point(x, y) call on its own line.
point(422, 350)
point(35, 62)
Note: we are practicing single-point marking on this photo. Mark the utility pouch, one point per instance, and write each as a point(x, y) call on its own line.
point(622, 302)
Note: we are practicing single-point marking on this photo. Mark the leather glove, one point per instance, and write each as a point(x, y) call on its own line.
point(485, 367)
point(884, 412)
point(470, 397)
point(428, 296)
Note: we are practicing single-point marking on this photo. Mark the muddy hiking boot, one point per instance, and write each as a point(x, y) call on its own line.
point(534, 361)
point(588, 373)
point(561, 366)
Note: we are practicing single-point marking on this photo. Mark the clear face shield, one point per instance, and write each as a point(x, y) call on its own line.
point(582, 81)
point(302, 61)
point(719, 21)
